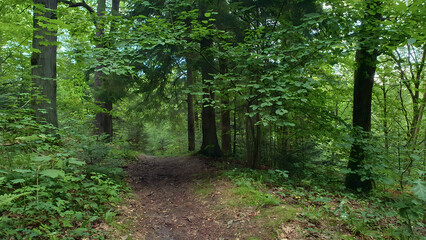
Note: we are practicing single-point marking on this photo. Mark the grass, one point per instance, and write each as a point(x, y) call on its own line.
point(247, 196)
point(282, 209)
point(203, 187)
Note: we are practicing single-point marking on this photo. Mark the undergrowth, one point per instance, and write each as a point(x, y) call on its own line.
point(327, 212)
point(53, 188)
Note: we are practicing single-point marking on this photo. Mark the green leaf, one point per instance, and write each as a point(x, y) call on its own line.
point(76, 162)
point(42, 158)
point(53, 173)
point(419, 189)
point(22, 170)
point(207, 15)
point(411, 41)
point(20, 180)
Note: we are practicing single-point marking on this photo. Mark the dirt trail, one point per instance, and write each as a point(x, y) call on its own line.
point(165, 206)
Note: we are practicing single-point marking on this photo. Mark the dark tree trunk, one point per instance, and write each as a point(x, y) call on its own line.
point(253, 138)
point(225, 117)
point(226, 130)
point(234, 146)
point(190, 101)
point(44, 64)
point(210, 145)
point(366, 61)
point(115, 7)
point(363, 88)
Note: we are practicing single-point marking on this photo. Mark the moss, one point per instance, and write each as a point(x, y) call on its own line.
point(249, 196)
point(273, 217)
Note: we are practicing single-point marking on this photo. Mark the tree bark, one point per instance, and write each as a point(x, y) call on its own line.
point(109, 130)
point(210, 145)
point(103, 120)
point(361, 119)
point(43, 62)
point(226, 130)
point(190, 101)
point(366, 61)
point(225, 116)
point(99, 75)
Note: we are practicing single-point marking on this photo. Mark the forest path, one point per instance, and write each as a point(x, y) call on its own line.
point(165, 204)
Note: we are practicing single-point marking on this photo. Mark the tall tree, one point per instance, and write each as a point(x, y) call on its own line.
point(99, 75)
point(210, 144)
point(43, 60)
point(190, 102)
point(103, 119)
point(366, 62)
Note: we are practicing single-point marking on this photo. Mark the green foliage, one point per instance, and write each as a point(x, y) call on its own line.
point(374, 216)
point(38, 200)
point(47, 190)
point(419, 189)
point(250, 186)
point(286, 70)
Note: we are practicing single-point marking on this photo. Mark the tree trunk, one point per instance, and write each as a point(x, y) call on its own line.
point(366, 61)
point(104, 122)
point(225, 117)
point(210, 145)
point(363, 89)
point(190, 101)
point(109, 130)
point(385, 117)
point(226, 130)
point(253, 138)
point(99, 76)
point(234, 146)
point(418, 103)
point(44, 63)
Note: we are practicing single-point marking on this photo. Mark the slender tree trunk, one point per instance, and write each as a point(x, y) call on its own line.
point(234, 147)
point(190, 101)
point(226, 130)
point(43, 62)
point(99, 76)
point(385, 118)
point(418, 103)
point(210, 145)
point(249, 141)
point(225, 117)
point(253, 138)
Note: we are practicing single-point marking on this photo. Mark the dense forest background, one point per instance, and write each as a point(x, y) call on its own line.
point(329, 92)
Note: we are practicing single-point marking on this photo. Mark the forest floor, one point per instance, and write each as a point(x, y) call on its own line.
point(189, 198)
point(179, 198)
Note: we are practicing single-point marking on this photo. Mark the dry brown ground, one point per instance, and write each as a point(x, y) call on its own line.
point(165, 205)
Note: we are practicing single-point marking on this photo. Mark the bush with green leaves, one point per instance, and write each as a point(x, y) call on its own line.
point(53, 196)
point(46, 191)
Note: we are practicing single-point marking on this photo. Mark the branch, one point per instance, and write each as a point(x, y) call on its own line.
point(404, 78)
point(11, 52)
point(422, 64)
point(79, 4)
